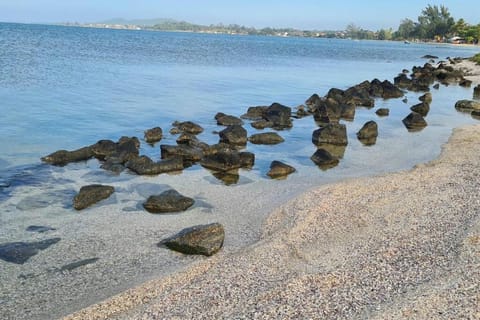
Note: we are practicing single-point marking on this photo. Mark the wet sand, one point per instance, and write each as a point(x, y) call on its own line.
point(397, 246)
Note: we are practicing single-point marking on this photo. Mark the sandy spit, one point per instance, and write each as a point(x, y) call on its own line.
point(398, 246)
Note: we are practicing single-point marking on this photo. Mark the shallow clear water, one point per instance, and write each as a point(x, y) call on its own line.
point(64, 88)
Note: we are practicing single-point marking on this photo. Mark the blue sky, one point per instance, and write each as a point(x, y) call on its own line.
point(306, 14)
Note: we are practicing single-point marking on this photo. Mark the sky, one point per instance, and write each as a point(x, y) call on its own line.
point(301, 14)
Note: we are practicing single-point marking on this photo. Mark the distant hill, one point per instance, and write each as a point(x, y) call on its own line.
point(138, 22)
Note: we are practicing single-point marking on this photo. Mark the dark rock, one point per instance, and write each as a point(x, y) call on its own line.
point(188, 127)
point(255, 113)
point(429, 56)
point(78, 264)
point(414, 121)
point(39, 229)
point(168, 201)
point(266, 138)
point(279, 115)
point(234, 135)
point(63, 157)
point(427, 98)
point(402, 81)
point(465, 83)
point(436, 86)
point(247, 159)
point(333, 133)
point(20, 252)
point(145, 166)
point(203, 239)
point(385, 89)
point(336, 151)
point(422, 108)
point(91, 194)
point(324, 159)
point(368, 131)
point(301, 112)
point(467, 105)
point(347, 112)
point(227, 177)
point(153, 135)
point(327, 111)
point(120, 152)
point(383, 112)
point(228, 160)
point(262, 124)
point(185, 152)
point(476, 92)
point(476, 114)
point(227, 120)
point(279, 170)
point(313, 101)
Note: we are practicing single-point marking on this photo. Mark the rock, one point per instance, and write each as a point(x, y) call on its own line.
point(347, 112)
point(228, 160)
point(279, 115)
point(227, 120)
point(202, 239)
point(234, 135)
point(185, 152)
point(465, 83)
point(168, 201)
point(266, 138)
point(20, 252)
point(368, 131)
point(336, 151)
point(421, 108)
point(402, 81)
point(145, 166)
point(63, 157)
point(414, 121)
point(476, 92)
point(385, 89)
point(313, 101)
point(255, 113)
point(279, 170)
point(153, 135)
point(324, 159)
point(383, 112)
point(91, 194)
point(119, 152)
point(188, 127)
point(262, 124)
point(327, 111)
point(301, 112)
point(39, 229)
point(467, 105)
point(333, 133)
point(436, 86)
point(429, 56)
point(427, 98)
point(476, 114)
point(78, 264)
point(227, 177)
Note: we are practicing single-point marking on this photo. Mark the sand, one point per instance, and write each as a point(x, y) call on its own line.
point(398, 246)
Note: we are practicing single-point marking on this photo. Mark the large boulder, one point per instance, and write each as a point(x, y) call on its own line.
point(324, 159)
point(422, 108)
point(266, 138)
point(279, 170)
point(414, 121)
point(167, 202)
point(279, 115)
point(153, 135)
point(227, 120)
point(333, 133)
point(145, 166)
point(235, 135)
point(327, 110)
point(203, 239)
point(385, 89)
point(467, 105)
point(64, 157)
point(91, 194)
point(188, 127)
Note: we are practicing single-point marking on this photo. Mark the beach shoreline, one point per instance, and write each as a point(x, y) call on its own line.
point(393, 246)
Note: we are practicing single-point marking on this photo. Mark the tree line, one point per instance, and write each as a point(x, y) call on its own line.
point(435, 23)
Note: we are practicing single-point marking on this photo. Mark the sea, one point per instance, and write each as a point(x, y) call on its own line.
point(68, 87)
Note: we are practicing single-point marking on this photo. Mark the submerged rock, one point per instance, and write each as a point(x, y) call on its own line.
point(153, 135)
point(39, 229)
point(20, 252)
point(266, 138)
point(368, 133)
point(333, 133)
point(63, 157)
point(202, 239)
point(279, 170)
point(414, 121)
point(383, 112)
point(324, 159)
point(91, 194)
point(168, 201)
point(78, 264)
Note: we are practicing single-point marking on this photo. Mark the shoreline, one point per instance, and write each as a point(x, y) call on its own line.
point(395, 246)
point(410, 232)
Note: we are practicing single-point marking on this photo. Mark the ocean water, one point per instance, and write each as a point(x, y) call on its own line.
point(65, 88)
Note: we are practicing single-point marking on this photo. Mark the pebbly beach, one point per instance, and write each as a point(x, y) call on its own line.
point(395, 246)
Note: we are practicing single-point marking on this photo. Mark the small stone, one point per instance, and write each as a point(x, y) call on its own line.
point(266, 138)
point(202, 239)
point(153, 135)
point(368, 131)
point(168, 201)
point(279, 170)
point(323, 158)
point(414, 121)
point(422, 108)
point(91, 194)
point(383, 112)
